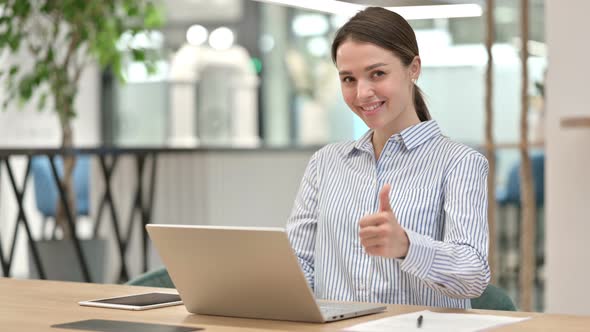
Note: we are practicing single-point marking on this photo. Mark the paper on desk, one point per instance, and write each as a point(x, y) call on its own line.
point(434, 321)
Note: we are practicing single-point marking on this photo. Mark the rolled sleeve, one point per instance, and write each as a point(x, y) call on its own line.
point(420, 255)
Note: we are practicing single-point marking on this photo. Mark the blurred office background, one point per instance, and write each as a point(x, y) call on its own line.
point(251, 84)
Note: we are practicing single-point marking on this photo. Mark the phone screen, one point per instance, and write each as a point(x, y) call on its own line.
point(142, 299)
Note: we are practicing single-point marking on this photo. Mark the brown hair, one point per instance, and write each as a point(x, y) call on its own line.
point(390, 31)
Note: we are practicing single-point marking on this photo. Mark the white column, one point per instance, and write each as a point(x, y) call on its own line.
point(276, 88)
point(568, 158)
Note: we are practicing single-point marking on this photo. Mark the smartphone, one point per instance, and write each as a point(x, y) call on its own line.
point(142, 301)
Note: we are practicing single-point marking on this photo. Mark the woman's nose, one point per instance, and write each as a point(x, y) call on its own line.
point(364, 90)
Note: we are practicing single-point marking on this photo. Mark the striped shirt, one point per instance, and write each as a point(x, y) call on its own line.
point(439, 196)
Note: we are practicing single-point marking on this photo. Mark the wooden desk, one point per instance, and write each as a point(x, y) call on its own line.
point(35, 305)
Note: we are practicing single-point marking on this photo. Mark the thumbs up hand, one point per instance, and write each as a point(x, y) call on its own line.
point(380, 233)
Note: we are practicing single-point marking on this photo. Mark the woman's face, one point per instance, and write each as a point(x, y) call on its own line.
point(377, 86)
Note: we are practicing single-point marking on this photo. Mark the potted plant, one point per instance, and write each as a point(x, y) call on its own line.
point(61, 39)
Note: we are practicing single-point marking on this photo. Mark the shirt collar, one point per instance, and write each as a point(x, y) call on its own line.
point(364, 142)
point(419, 134)
point(411, 137)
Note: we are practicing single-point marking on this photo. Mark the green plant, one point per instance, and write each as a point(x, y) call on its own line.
point(60, 38)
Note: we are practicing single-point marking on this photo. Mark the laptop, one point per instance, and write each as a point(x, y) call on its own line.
point(244, 272)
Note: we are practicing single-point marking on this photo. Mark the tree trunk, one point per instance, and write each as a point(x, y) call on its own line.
point(528, 204)
point(489, 135)
point(67, 181)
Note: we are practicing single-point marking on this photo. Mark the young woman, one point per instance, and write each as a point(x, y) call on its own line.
point(399, 215)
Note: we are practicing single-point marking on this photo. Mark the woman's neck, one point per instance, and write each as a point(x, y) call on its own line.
point(382, 135)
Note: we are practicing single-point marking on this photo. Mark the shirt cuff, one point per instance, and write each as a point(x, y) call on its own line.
point(420, 257)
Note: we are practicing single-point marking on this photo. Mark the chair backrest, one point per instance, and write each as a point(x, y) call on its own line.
point(493, 298)
point(155, 278)
point(46, 193)
point(511, 194)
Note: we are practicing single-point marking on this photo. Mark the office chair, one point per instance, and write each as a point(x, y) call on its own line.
point(154, 278)
point(510, 196)
point(493, 298)
point(46, 193)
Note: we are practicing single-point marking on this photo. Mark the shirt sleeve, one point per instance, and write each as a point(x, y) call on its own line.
point(458, 265)
point(302, 224)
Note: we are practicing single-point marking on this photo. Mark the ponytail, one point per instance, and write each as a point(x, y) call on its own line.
point(420, 105)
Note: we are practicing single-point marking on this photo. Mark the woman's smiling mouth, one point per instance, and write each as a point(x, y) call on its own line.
point(372, 108)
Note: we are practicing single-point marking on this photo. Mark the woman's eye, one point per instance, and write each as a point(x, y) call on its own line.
point(347, 79)
point(378, 73)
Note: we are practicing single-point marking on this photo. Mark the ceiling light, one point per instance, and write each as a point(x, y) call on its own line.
point(326, 6)
point(196, 35)
point(221, 38)
point(305, 25)
point(438, 11)
point(408, 12)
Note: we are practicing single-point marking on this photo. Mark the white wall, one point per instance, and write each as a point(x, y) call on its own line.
point(568, 158)
point(228, 188)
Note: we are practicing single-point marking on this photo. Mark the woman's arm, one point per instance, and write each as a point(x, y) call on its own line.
point(458, 265)
point(302, 224)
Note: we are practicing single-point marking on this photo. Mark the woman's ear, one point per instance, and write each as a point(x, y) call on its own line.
point(415, 68)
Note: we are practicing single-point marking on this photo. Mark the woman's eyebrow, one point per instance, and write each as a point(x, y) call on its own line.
point(376, 65)
point(367, 68)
